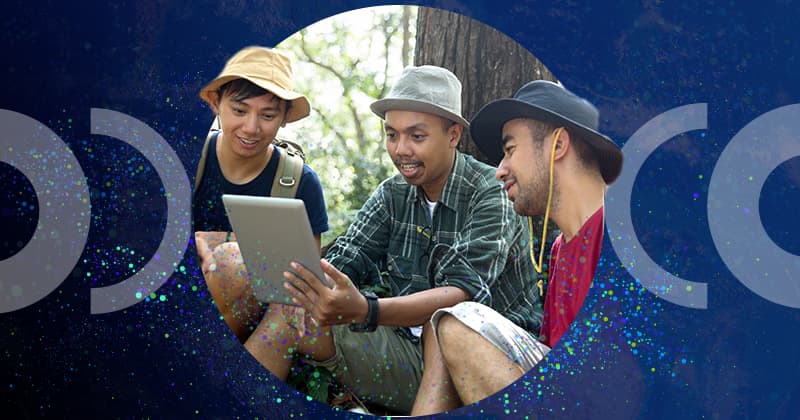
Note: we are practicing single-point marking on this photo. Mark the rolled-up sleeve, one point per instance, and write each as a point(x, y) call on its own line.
point(359, 250)
point(477, 257)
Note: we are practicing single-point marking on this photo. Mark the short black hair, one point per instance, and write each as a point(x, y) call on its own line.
point(241, 89)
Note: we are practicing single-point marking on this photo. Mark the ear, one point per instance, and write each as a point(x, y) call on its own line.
point(214, 96)
point(454, 133)
point(564, 143)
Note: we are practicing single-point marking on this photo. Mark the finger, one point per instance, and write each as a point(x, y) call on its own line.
point(333, 273)
point(306, 275)
point(298, 297)
point(301, 286)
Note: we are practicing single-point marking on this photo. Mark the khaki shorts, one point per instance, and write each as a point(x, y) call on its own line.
point(520, 346)
point(380, 367)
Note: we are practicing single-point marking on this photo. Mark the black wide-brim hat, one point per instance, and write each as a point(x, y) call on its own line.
point(548, 102)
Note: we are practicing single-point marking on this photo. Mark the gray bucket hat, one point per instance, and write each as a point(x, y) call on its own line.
point(429, 89)
point(549, 102)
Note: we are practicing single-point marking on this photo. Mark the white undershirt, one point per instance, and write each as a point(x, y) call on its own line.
point(417, 331)
point(431, 206)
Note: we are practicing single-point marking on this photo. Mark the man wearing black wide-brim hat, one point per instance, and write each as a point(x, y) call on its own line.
point(554, 163)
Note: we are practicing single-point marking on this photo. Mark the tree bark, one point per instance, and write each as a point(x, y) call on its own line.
point(405, 22)
point(489, 64)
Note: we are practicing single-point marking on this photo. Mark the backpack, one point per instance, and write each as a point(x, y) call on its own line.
point(287, 176)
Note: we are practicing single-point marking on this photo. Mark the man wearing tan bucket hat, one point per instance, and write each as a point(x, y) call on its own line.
point(553, 162)
point(439, 232)
point(252, 99)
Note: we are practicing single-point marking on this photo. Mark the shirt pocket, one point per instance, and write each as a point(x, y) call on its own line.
point(406, 275)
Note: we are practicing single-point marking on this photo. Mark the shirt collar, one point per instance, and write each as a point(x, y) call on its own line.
point(447, 197)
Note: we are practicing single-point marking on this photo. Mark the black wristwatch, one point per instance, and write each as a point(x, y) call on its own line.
point(371, 322)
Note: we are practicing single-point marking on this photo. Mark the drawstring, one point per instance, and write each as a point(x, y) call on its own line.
point(538, 267)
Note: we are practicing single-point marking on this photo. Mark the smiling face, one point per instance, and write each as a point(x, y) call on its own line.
point(421, 146)
point(524, 168)
point(250, 125)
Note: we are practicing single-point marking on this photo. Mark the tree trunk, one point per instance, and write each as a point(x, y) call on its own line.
point(405, 22)
point(489, 64)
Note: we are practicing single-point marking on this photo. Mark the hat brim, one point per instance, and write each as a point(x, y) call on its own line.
point(380, 107)
point(300, 108)
point(487, 131)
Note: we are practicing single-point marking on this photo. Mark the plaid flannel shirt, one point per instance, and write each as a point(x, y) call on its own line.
point(474, 241)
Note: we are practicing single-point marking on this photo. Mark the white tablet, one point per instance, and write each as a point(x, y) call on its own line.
point(272, 232)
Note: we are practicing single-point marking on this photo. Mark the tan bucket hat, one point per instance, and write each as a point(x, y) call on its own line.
point(266, 68)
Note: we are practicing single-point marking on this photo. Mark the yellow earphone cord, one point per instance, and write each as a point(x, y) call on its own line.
point(538, 267)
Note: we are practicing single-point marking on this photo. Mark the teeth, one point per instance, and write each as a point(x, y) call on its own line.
point(245, 141)
point(408, 166)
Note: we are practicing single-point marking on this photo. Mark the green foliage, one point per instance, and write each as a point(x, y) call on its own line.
point(342, 64)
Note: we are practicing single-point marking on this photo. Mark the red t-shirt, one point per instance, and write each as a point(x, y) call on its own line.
point(572, 269)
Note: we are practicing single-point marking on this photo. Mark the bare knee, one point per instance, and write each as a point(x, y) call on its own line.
point(452, 336)
point(228, 259)
point(228, 272)
point(291, 323)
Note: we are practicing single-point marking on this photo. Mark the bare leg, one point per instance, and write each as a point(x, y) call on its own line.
point(285, 331)
point(478, 368)
point(436, 392)
point(232, 291)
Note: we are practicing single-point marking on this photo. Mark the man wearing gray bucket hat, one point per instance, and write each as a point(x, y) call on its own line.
point(439, 232)
point(252, 98)
point(552, 162)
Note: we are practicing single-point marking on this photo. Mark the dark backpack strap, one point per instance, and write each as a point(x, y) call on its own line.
point(201, 165)
point(288, 174)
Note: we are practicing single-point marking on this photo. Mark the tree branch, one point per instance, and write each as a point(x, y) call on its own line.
point(322, 65)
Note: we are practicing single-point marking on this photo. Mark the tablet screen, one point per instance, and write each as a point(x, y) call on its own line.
point(272, 232)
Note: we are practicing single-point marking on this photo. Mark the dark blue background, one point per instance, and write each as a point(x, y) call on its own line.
point(629, 354)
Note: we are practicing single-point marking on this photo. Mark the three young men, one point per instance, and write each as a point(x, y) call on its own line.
point(439, 232)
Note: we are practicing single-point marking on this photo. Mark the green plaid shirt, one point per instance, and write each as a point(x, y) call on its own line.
point(474, 242)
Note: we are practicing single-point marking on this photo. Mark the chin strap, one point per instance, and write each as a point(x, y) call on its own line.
point(538, 267)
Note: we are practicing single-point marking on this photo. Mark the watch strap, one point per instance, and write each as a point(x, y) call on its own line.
point(370, 323)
